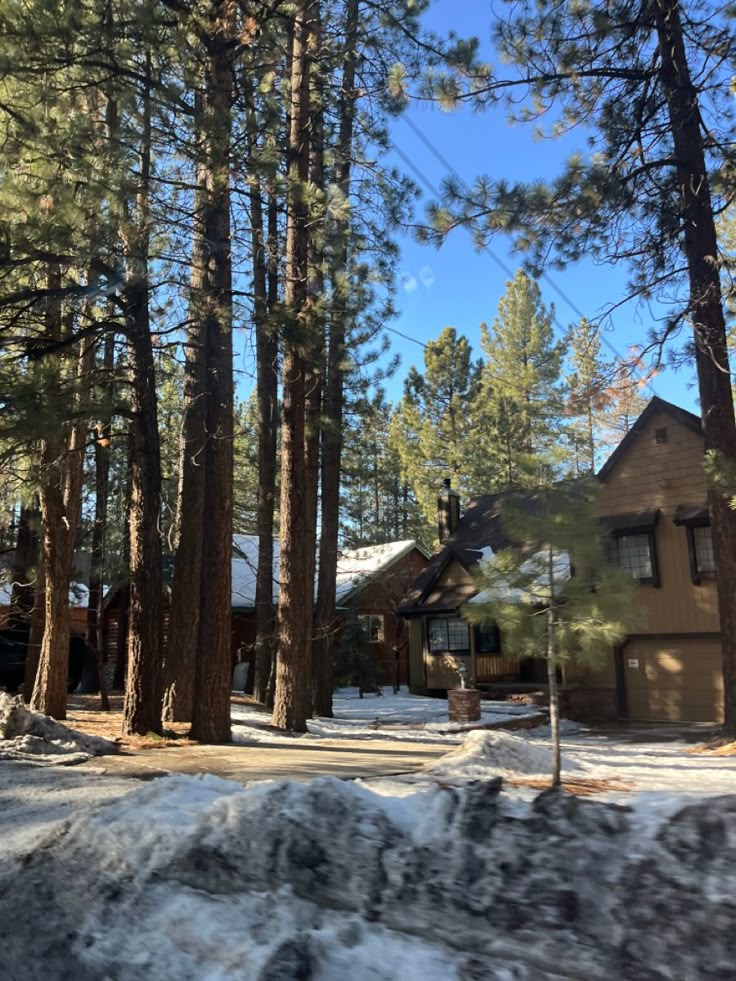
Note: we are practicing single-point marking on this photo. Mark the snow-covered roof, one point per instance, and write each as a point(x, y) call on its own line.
point(354, 568)
point(78, 594)
point(244, 568)
point(536, 565)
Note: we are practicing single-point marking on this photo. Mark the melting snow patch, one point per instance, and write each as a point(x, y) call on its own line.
point(32, 737)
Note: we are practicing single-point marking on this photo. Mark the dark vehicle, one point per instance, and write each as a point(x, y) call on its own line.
point(13, 652)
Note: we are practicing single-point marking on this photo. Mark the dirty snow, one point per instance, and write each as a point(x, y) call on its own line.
point(437, 876)
point(35, 738)
point(190, 878)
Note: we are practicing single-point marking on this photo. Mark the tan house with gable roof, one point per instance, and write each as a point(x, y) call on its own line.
point(653, 503)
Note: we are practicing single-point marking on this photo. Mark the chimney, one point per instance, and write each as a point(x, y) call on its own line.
point(448, 510)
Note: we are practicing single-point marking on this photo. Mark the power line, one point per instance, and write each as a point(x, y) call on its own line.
point(451, 169)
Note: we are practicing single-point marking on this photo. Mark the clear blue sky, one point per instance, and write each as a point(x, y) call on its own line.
point(459, 286)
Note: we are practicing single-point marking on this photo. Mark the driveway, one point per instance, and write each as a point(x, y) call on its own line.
point(297, 759)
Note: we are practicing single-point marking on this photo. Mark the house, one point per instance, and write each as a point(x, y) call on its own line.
point(371, 584)
point(652, 503)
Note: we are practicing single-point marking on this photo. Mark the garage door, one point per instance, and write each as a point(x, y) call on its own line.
point(674, 681)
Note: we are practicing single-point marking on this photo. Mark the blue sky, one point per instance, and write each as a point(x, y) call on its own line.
point(459, 286)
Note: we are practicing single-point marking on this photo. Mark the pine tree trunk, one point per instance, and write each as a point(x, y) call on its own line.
point(35, 636)
point(316, 285)
point(554, 718)
point(267, 407)
point(93, 675)
point(554, 694)
point(143, 692)
point(293, 696)
point(706, 314)
point(213, 673)
point(25, 558)
point(60, 497)
point(325, 615)
point(186, 598)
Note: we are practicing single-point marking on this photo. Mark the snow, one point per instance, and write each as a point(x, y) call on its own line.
point(42, 741)
point(194, 877)
point(409, 718)
point(536, 565)
point(354, 568)
point(498, 753)
point(359, 565)
point(244, 568)
point(78, 594)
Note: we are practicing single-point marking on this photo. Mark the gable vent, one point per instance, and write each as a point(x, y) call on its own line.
point(660, 435)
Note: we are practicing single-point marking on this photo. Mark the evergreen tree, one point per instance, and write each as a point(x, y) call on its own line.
point(588, 395)
point(435, 420)
point(553, 594)
point(377, 506)
point(652, 88)
point(520, 404)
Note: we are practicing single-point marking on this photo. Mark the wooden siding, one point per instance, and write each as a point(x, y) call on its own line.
point(493, 667)
point(460, 582)
point(651, 475)
point(678, 680)
point(417, 682)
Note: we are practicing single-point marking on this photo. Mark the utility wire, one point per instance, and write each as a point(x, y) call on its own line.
point(451, 169)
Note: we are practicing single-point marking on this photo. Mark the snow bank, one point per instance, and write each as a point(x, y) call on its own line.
point(488, 752)
point(32, 737)
point(410, 718)
point(191, 878)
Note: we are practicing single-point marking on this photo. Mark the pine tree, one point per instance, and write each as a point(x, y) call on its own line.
point(520, 404)
point(435, 419)
point(653, 90)
point(588, 394)
point(293, 693)
point(553, 594)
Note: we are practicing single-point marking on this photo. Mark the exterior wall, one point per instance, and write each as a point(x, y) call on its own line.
point(664, 476)
point(417, 679)
point(674, 679)
point(383, 596)
point(670, 667)
point(441, 671)
point(455, 577)
point(77, 618)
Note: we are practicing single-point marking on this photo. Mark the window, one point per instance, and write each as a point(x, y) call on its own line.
point(371, 627)
point(694, 518)
point(488, 640)
point(634, 555)
point(447, 634)
point(660, 436)
point(703, 545)
point(633, 544)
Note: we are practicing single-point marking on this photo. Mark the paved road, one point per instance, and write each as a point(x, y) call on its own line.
point(300, 759)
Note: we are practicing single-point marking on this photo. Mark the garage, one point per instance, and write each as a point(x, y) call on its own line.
point(673, 679)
